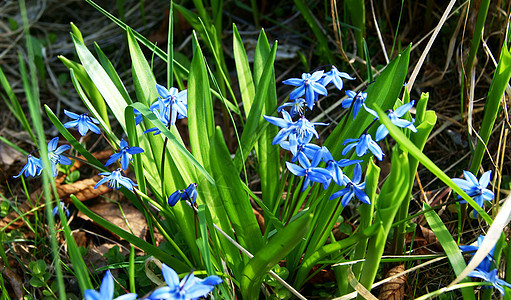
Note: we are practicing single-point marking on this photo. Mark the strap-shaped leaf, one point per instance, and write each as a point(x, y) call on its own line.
point(277, 248)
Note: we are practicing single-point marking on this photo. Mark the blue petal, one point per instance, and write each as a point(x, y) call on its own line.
point(295, 169)
point(113, 158)
point(162, 91)
point(347, 197)
point(293, 81)
point(72, 115)
point(170, 276)
point(107, 286)
point(485, 179)
point(52, 145)
point(403, 109)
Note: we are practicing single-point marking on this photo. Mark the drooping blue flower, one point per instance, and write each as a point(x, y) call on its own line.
point(308, 149)
point(310, 171)
point(309, 85)
point(32, 168)
point(298, 132)
point(106, 290)
point(335, 167)
point(115, 180)
point(138, 116)
point(55, 155)
point(354, 99)
point(161, 112)
point(190, 193)
point(174, 99)
point(55, 210)
point(363, 144)
point(83, 122)
point(335, 77)
point(475, 188)
point(124, 154)
point(491, 277)
point(297, 107)
point(485, 264)
point(353, 188)
point(189, 287)
point(394, 117)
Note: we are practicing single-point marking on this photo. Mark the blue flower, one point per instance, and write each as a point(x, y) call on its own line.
point(335, 77)
point(161, 112)
point(308, 149)
point(309, 85)
point(310, 171)
point(475, 188)
point(491, 277)
point(55, 155)
point(363, 144)
point(189, 287)
point(190, 193)
point(138, 116)
point(115, 180)
point(394, 117)
point(175, 99)
point(297, 107)
point(335, 167)
point(33, 168)
point(55, 210)
point(124, 154)
point(353, 188)
point(354, 99)
point(106, 291)
point(485, 265)
point(298, 132)
point(83, 122)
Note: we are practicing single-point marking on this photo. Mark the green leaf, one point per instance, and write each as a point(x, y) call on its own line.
point(201, 121)
point(235, 199)
point(142, 73)
point(450, 247)
point(15, 106)
point(245, 81)
point(491, 108)
point(253, 127)
point(105, 125)
point(276, 249)
point(102, 81)
point(321, 37)
point(89, 87)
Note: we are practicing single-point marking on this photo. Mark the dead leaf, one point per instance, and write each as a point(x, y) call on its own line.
point(14, 280)
point(110, 212)
point(395, 288)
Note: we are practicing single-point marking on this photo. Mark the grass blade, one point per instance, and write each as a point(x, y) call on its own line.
point(266, 258)
point(450, 247)
point(498, 85)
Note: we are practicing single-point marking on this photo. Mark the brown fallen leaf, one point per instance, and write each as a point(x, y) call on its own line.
point(14, 280)
point(395, 288)
point(110, 212)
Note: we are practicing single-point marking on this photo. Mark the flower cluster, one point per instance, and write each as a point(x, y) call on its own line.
point(296, 135)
